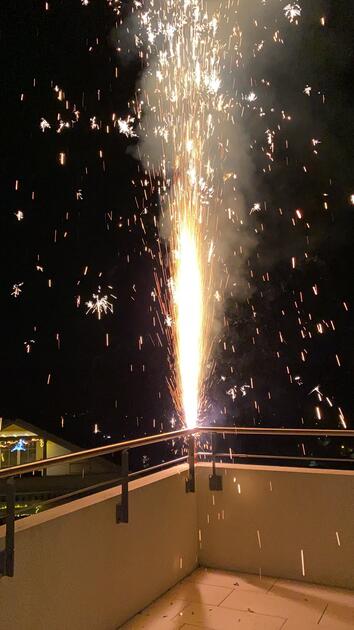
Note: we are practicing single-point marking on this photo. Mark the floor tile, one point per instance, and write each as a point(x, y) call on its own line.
point(199, 593)
point(166, 607)
point(335, 595)
point(340, 616)
point(143, 622)
point(293, 624)
point(224, 600)
point(218, 618)
point(197, 614)
point(300, 607)
point(231, 579)
point(158, 615)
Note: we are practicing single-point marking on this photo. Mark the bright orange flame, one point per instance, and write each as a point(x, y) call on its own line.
point(189, 321)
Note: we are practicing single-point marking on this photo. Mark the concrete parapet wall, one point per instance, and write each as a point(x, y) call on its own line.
point(76, 569)
point(284, 522)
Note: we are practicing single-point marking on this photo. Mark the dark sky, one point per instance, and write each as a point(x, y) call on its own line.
point(86, 214)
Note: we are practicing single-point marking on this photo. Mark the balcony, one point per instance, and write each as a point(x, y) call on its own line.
point(252, 546)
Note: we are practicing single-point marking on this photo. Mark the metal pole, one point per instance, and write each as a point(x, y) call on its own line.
point(8, 554)
point(190, 481)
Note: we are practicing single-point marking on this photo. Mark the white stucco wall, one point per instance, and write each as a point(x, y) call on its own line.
point(76, 569)
point(265, 516)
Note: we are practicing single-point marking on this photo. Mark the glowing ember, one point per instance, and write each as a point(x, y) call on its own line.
point(292, 11)
point(99, 305)
point(126, 127)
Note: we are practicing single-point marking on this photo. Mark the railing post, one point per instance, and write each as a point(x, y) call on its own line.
point(7, 556)
point(190, 481)
point(122, 513)
point(215, 481)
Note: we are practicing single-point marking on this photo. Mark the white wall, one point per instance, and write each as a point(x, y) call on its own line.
point(79, 570)
point(75, 569)
point(285, 510)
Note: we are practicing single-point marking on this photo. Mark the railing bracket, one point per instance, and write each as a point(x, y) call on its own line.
point(190, 481)
point(215, 481)
point(122, 512)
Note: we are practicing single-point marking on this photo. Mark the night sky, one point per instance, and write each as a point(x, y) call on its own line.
point(88, 226)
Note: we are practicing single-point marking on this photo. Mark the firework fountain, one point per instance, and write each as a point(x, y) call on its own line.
point(182, 112)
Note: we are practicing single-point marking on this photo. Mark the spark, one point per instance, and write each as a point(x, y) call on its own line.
point(292, 12)
point(302, 562)
point(211, 251)
point(342, 419)
point(28, 345)
point(19, 215)
point(255, 208)
point(16, 289)
point(62, 125)
point(93, 123)
point(317, 390)
point(251, 97)
point(99, 305)
point(126, 127)
point(232, 392)
point(44, 124)
point(116, 5)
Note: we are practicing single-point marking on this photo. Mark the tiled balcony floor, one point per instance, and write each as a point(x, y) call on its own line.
point(220, 600)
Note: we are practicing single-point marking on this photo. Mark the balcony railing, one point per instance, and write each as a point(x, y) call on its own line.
point(188, 435)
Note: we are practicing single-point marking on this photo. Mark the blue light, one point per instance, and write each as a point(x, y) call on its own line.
point(19, 446)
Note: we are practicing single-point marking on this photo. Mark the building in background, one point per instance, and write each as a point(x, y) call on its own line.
point(22, 442)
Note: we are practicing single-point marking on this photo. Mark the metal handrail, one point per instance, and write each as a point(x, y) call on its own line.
point(304, 458)
point(112, 482)
point(99, 451)
point(277, 431)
